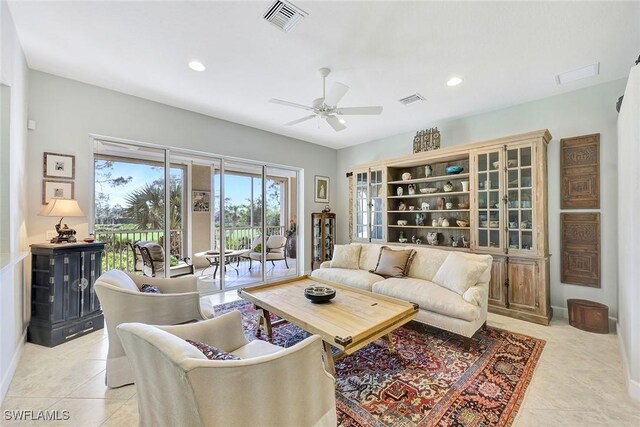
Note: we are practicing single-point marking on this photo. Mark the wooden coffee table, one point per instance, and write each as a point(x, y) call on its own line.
point(350, 321)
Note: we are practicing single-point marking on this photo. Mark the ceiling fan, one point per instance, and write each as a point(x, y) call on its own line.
point(327, 106)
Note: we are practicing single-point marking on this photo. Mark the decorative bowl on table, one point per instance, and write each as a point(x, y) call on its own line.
point(402, 222)
point(318, 294)
point(462, 223)
point(89, 239)
point(453, 170)
point(428, 190)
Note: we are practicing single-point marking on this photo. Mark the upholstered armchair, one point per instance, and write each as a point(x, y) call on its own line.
point(276, 250)
point(268, 386)
point(122, 301)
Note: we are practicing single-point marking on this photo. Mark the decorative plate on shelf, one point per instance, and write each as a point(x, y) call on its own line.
point(453, 170)
point(428, 190)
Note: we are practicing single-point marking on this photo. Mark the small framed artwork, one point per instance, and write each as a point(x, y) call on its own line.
point(201, 201)
point(58, 189)
point(59, 165)
point(321, 193)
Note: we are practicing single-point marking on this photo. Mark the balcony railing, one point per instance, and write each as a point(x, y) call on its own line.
point(118, 254)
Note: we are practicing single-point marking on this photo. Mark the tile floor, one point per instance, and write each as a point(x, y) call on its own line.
point(578, 381)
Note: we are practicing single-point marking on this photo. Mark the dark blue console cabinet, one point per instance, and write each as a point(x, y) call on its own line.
point(64, 304)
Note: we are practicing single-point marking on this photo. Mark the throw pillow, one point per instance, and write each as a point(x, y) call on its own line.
point(346, 256)
point(458, 273)
point(393, 263)
point(472, 295)
point(258, 248)
point(150, 289)
point(212, 352)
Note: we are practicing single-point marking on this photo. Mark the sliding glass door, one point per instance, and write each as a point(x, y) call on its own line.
point(231, 223)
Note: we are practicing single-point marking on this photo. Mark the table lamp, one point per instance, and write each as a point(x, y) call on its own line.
point(62, 208)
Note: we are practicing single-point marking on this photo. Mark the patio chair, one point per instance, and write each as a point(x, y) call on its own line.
point(276, 250)
point(268, 386)
point(152, 254)
point(121, 301)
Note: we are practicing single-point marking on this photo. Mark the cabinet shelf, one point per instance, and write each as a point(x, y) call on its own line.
point(428, 226)
point(430, 210)
point(417, 196)
point(431, 179)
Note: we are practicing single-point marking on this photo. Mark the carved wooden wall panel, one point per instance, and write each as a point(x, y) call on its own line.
point(580, 172)
point(580, 248)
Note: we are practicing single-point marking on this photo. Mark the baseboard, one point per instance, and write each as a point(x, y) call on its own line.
point(563, 313)
point(8, 376)
point(633, 387)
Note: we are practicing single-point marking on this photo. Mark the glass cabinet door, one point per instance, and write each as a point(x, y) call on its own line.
point(376, 205)
point(369, 205)
point(317, 241)
point(361, 209)
point(489, 200)
point(520, 194)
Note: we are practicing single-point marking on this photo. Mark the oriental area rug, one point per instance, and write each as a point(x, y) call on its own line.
point(430, 379)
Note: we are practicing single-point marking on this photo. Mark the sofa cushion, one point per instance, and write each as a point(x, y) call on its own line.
point(120, 279)
point(458, 273)
point(355, 278)
point(393, 263)
point(426, 262)
point(369, 255)
point(346, 256)
point(429, 296)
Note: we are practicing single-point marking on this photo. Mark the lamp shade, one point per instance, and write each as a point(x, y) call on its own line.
point(61, 207)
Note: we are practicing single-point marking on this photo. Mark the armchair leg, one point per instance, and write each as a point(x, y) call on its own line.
point(250, 264)
point(273, 263)
point(285, 262)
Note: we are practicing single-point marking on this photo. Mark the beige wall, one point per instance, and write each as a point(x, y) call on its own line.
point(13, 288)
point(201, 221)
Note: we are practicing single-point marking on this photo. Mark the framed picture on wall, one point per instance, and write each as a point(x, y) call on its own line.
point(59, 165)
point(58, 189)
point(321, 193)
point(201, 201)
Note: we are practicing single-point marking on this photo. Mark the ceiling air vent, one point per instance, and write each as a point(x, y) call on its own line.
point(587, 71)
point(284, 15)
point(408, 100)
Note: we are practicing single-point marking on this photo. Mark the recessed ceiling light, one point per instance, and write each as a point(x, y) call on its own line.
point(454, 81)
point(197, 66)
point(341, 120)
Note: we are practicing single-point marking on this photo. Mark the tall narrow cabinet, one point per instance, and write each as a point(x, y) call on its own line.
point(323, 232)
point(64, 304)
point(496, 204)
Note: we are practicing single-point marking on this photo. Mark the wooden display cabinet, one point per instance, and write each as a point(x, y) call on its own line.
point(323, 232)
point(507, 216)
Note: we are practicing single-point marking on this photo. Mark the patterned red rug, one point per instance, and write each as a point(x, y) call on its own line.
point(430, 379)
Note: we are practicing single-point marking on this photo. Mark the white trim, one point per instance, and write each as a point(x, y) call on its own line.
point(6, 381)
point(633, 387)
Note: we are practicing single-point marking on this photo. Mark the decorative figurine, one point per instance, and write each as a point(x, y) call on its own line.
point(399, 191)
point(412, 189)
point(418, 241)
point(402, 206)
point(432, 238)
point(448, 187)
point(425, 206)
point(420, 219)
point(428, 170)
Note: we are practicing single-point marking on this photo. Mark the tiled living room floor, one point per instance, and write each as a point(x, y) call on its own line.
point(578, 381)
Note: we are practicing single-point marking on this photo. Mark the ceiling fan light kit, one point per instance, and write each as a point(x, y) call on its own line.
point(326, 107)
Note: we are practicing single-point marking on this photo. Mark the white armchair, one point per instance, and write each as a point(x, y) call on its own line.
point(269, 386)
point(276, 250)
point(121, 300)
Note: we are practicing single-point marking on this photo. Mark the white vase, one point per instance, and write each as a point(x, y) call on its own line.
point(465, 185)
point(399, 191)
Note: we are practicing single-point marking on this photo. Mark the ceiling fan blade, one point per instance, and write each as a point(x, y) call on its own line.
point(290, 104)
point(304, 119)
point(337, 91)
point(359, 110)
point(335, 123)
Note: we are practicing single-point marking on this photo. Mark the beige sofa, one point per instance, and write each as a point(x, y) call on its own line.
point(441, 307)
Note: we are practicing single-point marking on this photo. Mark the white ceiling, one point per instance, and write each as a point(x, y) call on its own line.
point(507, 53)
